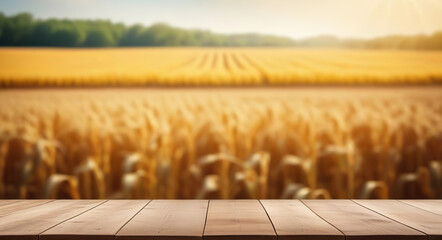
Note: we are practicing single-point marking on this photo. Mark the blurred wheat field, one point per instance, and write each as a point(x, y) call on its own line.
point(21, 67)
point(221, 143)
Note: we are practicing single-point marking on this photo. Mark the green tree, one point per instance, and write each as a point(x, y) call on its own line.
point(99, 38)
point(16, 30)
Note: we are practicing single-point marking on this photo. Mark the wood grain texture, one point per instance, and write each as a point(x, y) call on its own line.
point(167, 220)
point(238, 220)
point(424, 221)
point(357, 222)
point(100, 223)
point(20, 205)
point(226, 219)
point(434, 206)
point(29, 223)
point(4, 202)
point(293, 220)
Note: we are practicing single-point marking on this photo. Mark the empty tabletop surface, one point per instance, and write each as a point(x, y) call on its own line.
point(101, 222)
point(30, 222)
point(434, 206)
point(293, 220)
point(238, 219)
point(358, 222)
point(419, 219)
point(220, 219)
point(168, 219)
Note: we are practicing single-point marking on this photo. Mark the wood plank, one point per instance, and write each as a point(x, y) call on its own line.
point(357, 222)
point(100, 223)
point(293, 220)
point(29, 223)
point(424, 221)
point(434, 206)
point(20, 205)
point(4, 202)
point(236, 220)
point(167, 220)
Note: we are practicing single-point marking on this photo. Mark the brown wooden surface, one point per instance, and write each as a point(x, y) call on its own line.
point(29, 223)
point(238, 219)
point(7, 201)
point(220, 219)
point(168, 220)
point(19, 205)
point(293, 220)
point(434, 206)
point(422, 220)
point(357, 222)
point(99, 223)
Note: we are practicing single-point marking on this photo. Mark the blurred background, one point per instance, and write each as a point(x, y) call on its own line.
point(220, 99)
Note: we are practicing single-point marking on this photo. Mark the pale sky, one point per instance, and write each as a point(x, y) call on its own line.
point(293, 18)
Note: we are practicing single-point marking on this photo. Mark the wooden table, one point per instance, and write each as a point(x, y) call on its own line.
point(220, 219)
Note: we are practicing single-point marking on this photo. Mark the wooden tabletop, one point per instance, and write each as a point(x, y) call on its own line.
point(220, 219)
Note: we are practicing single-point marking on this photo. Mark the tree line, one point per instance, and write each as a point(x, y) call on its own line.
point(24, 30)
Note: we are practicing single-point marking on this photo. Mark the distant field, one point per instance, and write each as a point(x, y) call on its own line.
point(214, 66)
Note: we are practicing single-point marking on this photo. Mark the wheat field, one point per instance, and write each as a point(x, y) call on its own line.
point(23, 67)
point(221, 143)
